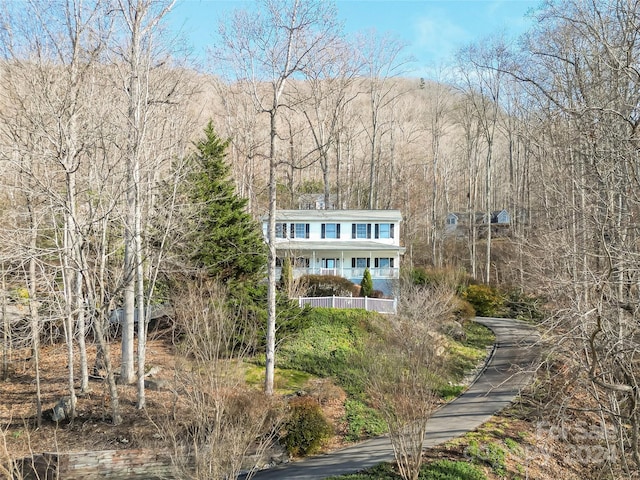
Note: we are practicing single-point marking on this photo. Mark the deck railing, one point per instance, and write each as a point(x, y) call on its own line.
point(380, 305)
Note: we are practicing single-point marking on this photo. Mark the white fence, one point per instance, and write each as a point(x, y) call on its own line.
point(380, 305)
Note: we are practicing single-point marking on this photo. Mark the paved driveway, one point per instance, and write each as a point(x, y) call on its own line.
point(508, 370)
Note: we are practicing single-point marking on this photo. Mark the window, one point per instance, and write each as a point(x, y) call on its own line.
point(300, 262)
point(329, 263)
point(330, 230)
point(383, 262)
point(384, 230)
point(299, 230)
point(281, 230)
point(451, 220)
point(360, 262)
point(361, 230)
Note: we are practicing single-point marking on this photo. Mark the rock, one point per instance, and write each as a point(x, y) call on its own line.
point(62, 409)
point(155, 384)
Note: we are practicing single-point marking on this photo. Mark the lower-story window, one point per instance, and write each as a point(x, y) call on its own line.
point(329, 263)
point(360, 262)
point(384, 262)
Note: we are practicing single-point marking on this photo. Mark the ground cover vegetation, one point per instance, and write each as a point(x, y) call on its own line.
point(116, 206)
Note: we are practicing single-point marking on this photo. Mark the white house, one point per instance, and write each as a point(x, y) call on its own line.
point(341, 242)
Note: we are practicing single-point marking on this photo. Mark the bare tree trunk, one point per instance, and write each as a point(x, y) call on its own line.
point(6, 327)
point(271, 265)
point(33, 311)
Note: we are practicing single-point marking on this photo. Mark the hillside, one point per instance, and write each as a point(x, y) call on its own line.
point(514, 437)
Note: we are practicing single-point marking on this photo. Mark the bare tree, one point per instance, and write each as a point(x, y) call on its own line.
point(382, 61)
point(402, 377)
point(265, 49)
point(483, 69)
point(579, 66)
point(220, 426)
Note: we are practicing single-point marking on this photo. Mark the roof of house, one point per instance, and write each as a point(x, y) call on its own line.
point(338, 215)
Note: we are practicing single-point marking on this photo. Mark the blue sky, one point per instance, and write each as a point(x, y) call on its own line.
point(432, 29)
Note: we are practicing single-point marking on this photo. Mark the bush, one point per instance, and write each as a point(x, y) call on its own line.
point(523, 306)
point(307, 429)
point(451, 470)
point(432, 277)
point(490, 454)
point(329, 285)
point(366, 285)
point(463, 310)
point(362, 421)
point(487, 301)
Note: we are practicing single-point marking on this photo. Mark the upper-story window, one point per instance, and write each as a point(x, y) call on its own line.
point(384, 230)
point(361, 230)
point(299, 230)
point(281, 230)
point(330, 230)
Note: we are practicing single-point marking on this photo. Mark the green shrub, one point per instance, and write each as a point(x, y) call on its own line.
point(451, 470)
point(362, 421)
point(383, 471)
point(523, 306)
point(435, 277)
point(463, 310)
point(491, 454)
point(286, 276)
point(366, 285)
point(486, 300)
point(329, 285)
point(332, 345)
point(307, 429)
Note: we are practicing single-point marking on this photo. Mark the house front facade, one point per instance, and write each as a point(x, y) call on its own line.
point(341, 242)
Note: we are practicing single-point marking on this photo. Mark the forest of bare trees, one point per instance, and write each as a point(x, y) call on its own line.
point(99, 106)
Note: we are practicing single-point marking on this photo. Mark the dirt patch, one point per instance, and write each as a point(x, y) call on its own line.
point(92, 428)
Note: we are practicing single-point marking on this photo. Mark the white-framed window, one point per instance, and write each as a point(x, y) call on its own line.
point(330, 263)
point(299, 230)
point(384, 262)
point(281, 230)
point(384, 230)
point(361, 230)
point(330, 230)
point(451, 220)
point(361, 262)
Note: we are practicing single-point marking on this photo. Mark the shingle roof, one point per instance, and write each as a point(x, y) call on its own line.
point(338, 215)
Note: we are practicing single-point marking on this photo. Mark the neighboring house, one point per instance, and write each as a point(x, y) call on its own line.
point(341, 242)
point(316, 201)
point(457, 223)
point(500, 217)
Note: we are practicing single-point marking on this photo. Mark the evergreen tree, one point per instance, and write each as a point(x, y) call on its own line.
point(220, 235)
point(366, 285)
point(286, 277)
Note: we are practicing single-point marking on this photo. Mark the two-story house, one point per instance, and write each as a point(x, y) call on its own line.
point(341, 242)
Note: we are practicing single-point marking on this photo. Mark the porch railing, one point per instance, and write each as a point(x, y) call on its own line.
point(346, 272)
point(380, 305)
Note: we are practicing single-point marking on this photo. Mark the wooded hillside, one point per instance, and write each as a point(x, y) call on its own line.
point(100, 113)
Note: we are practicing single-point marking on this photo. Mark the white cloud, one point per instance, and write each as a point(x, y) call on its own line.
point(437, 36)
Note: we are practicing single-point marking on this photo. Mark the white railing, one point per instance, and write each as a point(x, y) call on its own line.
point(346, 272)
point(380, 305)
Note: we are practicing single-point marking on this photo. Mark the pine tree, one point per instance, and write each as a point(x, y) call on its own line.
point(366, 285)
point(221, 236)
point(286, 276)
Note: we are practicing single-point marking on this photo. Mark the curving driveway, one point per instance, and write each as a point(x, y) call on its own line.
point(508, 369)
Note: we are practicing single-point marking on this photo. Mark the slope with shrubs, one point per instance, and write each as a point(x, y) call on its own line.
point(334, 344)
